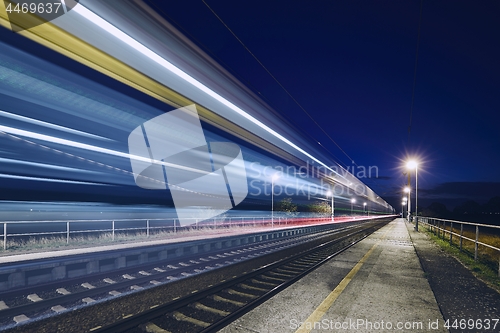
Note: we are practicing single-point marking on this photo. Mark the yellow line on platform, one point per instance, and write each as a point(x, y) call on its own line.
point(327, 303)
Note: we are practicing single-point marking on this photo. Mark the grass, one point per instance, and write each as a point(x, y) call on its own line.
point(56, 243)
point(486, 267)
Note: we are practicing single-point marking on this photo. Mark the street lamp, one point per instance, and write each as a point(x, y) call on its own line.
point(275, 177)
point(413, 165)
point(404, 203)
point(352, 202)
point(364, 207)
point(407, 189)
point(330, 194)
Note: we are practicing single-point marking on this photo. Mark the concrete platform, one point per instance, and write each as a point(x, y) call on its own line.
point(378, 285)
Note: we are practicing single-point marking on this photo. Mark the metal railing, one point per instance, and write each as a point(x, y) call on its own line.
point(445, 229)
point(69, 228)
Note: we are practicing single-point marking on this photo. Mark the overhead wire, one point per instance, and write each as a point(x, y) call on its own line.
point(415, 71)
point(159, 9)
point(279, 83)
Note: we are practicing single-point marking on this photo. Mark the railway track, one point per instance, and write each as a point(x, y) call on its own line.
point(214, 307)
point(43, 301)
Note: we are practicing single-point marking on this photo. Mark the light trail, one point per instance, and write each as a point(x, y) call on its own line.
point(52, 180)
point(49, 125)
point(111, 29)
point(53, 139)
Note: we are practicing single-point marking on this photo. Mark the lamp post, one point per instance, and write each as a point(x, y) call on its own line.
point(404, 203)
point(364, 207)
point(330, 194)
point(408, 210)
point(413, 165)
point(275, 177)
point(352, 202)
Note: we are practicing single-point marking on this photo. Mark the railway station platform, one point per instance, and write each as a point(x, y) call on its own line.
point(377, 285)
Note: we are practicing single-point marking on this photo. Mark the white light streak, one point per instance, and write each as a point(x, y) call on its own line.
point(111, 29)
point(85, 146)
point(49, 125)
point(52, 180)
point(44, 165)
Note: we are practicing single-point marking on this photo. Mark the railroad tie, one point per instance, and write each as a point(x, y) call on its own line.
point(263, 282)
point(182, 317)
point(203, 307)
point(289, 271)
point(34, 298)
point(152, 328)
point(20, 318)
point(226, 300)
point(63, 291)
point(272, 278)
point(239, 293)
point(246, 286)
point(280, 274)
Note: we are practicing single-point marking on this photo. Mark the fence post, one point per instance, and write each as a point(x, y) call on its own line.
point(451, 233)
point(147, 228)
point(438, 229)
point(175, 226)
point(461, 235)
point(475, 243)
point(113, 233)
point(5, 235)
point(67, 232)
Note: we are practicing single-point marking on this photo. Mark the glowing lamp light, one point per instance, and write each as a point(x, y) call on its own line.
point(411, 165)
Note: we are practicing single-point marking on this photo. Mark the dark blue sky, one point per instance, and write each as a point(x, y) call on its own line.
point(351, 65)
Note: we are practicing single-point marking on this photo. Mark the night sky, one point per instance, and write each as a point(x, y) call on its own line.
point(351, 65)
